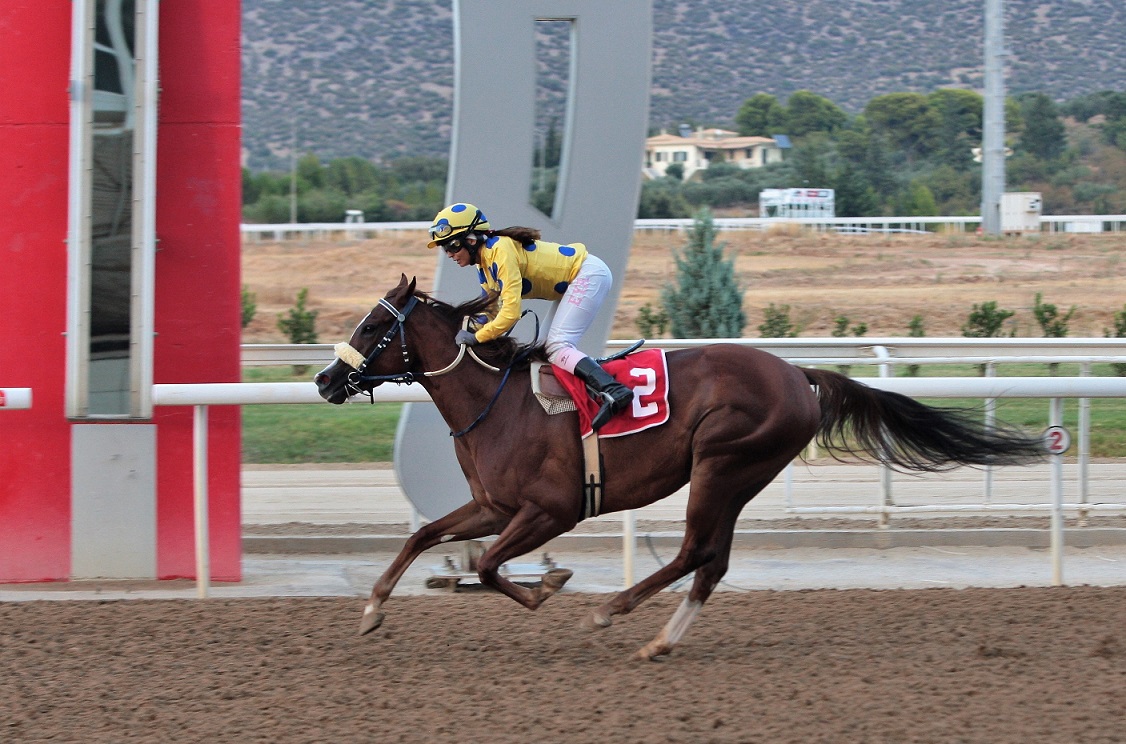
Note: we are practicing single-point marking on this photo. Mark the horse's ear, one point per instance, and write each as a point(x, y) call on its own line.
point(410, 287)
point(402, 281)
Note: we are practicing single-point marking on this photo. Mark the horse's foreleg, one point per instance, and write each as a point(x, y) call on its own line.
point(464, 523)
point(528, 530)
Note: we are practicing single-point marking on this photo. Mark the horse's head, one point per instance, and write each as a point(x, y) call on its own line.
point(360, 361)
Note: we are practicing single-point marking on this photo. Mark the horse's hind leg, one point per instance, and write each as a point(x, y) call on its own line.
point(709, 528)
point(464, 523)
point(707, 579)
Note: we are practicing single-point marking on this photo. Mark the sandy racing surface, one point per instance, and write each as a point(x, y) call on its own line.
point(940, 665)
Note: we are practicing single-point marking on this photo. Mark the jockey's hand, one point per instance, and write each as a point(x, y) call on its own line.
point(467, 338)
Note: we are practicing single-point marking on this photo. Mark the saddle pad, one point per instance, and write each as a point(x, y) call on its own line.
point(644, 372)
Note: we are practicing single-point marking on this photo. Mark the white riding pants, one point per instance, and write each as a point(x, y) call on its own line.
point(576, 312)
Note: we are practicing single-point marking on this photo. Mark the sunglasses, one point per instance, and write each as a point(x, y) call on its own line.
point(454, 246)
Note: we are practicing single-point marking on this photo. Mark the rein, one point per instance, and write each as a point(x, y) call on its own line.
point(353, 358)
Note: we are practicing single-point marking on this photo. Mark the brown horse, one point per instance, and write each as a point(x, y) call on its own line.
point(738, 416)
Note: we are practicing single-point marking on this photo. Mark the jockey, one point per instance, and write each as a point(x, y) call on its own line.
point(515, 263)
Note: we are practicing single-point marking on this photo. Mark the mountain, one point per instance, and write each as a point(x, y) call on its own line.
point(374, 78)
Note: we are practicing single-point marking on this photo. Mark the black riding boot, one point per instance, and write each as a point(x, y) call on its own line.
point(614, 395)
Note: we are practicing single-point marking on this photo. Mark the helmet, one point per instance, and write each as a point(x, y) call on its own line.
point(454, 220)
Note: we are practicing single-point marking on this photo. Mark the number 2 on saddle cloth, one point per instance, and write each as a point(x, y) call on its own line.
point(646, 373)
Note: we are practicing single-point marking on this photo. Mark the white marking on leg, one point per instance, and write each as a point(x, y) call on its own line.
point(369, 609)
point(679, 623)
point(446, 538)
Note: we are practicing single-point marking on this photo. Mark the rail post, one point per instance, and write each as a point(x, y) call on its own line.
point(1084, 447)
point(1055, 418)
point(199, 494)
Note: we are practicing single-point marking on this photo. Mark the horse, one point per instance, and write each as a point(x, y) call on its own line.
point(737, 417)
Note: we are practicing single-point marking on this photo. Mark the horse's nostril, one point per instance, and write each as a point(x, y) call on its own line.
point(321, 379)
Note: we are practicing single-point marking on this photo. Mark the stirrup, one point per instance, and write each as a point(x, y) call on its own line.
point(610, 407)
point(605, 413)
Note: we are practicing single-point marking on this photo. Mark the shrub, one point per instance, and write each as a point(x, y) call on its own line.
point(299, 324)
point(1119, 332)
point(985, 320)
point(1048, 316)
point(249, 305)
point(649, 321)
point(776, 323)
point(915, 329)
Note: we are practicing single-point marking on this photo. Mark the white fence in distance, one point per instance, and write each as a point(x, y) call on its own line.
point(1075, 223)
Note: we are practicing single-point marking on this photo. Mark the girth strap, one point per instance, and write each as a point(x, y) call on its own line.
point(594, 475)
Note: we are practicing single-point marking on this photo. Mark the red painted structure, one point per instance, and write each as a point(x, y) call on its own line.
point(197, 280)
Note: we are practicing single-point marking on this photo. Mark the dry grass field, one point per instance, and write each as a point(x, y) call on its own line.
point(882, 281)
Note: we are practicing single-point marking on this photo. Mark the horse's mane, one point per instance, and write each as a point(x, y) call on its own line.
point(499, 352)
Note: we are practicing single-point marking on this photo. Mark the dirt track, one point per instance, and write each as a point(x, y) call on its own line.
point(1022, 666)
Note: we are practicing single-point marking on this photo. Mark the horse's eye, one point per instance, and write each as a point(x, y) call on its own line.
point(369, 329)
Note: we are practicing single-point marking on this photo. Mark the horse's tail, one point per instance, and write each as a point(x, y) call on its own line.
point(907, 434)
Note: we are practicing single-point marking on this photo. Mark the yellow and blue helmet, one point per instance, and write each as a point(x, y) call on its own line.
point(454, 221)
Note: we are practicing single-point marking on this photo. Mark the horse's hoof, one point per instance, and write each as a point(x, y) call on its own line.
point(654, 651)
point(556, 578)
point(598, 620)
point(371, 620)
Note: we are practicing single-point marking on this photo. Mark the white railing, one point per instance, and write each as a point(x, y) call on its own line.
point(1078, 223)
point(867, 349)
point(13, 399)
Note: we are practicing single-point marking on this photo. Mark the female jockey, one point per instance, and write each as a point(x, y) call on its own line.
point(515, 263)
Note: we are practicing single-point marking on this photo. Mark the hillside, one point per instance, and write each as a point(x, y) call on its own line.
point(374, 77)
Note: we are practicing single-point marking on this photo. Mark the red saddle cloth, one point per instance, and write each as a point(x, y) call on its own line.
point(644, 372)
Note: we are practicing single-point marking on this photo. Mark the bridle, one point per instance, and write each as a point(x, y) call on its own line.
point(346, 353)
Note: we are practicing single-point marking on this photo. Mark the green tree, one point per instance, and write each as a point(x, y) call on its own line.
point(1043, 134)
point(707, 301)
point(808, 112)
point(309, 171)
point(351, 175)
point(960, 112)
point(760, 115)
point(918, 201)
point(908, 120)
point(854, 195)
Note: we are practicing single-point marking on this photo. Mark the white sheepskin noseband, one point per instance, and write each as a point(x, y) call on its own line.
point(348, 355)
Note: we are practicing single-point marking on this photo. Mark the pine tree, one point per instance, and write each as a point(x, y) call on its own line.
point(707, 301)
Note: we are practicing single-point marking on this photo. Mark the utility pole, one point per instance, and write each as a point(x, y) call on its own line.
point(993, 126)
point(292, 172)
